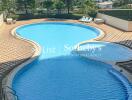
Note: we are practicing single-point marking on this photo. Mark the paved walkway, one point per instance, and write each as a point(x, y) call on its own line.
point(13, 51)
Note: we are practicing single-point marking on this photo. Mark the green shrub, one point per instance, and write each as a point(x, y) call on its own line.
point(92, 13)
point(122, 14)
point(60, 16)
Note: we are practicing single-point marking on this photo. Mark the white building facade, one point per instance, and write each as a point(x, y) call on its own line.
point(105, 4)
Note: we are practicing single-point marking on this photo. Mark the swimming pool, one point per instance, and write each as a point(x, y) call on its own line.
point(105, 51)
point(59, 75)
point(57, 39)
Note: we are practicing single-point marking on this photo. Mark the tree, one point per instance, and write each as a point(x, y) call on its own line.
point(68, 5)
point(119, 3)
point(59, 5)
point(78, 3)
point(48, 5)
point(26, 5)
point(8, 5)
point(90, 8)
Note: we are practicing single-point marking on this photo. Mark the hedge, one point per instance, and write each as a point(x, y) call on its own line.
point(61, 16)
point(122, 14)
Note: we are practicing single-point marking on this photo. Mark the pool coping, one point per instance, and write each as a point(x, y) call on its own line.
point(7, 81)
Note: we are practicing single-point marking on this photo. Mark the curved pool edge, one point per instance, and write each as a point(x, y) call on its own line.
point(99, 37)
point(123, 80)
point(115, 71)
point(99, 41)
point(7, 81)
point(119, 75)
point(9, 78)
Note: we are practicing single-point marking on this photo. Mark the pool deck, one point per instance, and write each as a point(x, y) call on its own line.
point(14, 51)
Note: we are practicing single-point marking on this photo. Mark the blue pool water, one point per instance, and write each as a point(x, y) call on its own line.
point(58, 75)
point(105, 51)
point(59, 38)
